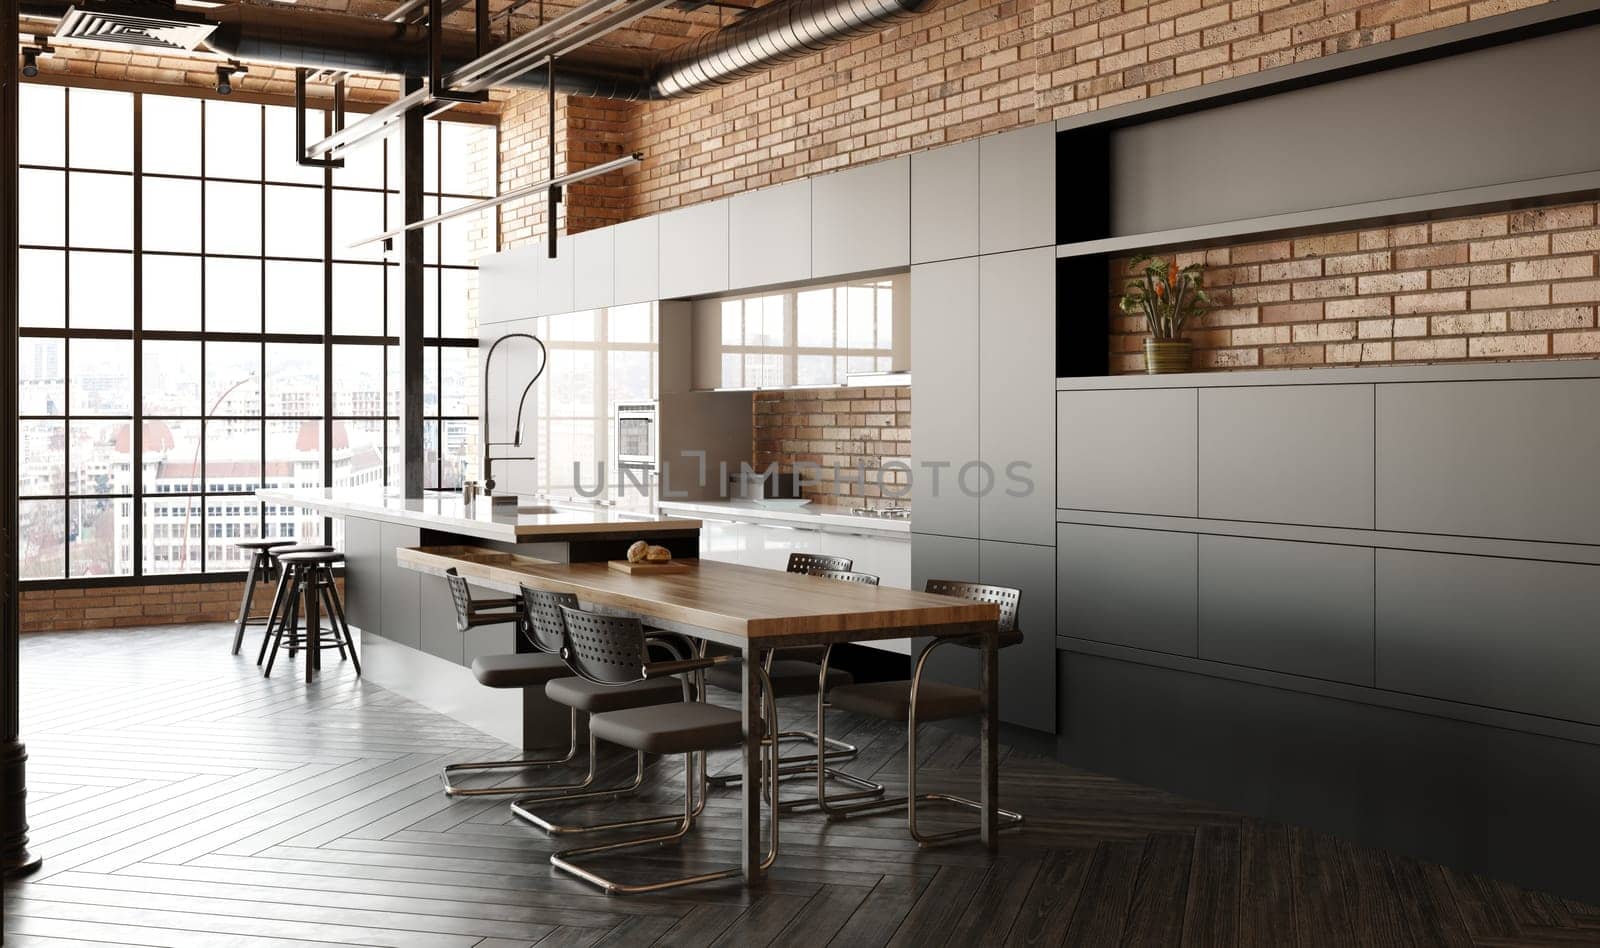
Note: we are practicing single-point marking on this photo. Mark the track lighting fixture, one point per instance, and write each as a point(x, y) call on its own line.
point(225, 76)
point(32, 54)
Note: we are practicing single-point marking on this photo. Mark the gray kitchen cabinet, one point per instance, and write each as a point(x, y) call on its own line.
point(861, 219)
point(635, 261)
point(694, 250)
point(593, 279)
point(769, 236)
point(1127, 451)
point(436, 619)
point(1512, 459)
point(944, 338)
point(1027, 669)
point(553, 278)
point(1300, 608)
point(363, 576)
point(1017, 189)
point(1288, 454)
point(1016, 379)
point(944, 203)
point(1498, 632)
point(1127, 587)
point(401, 588)
point(941, 557)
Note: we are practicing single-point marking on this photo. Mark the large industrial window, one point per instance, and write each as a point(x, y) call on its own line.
point(196, 326)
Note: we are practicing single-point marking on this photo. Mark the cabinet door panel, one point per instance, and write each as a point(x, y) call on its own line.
point(1300, 608)
point(363, 576)
point(694, 250)
point(1017, 192)
point(939, 557)
point(944, 203)
point(554, 278)
point(593, 279)
point(769, 236)
point(861, 219)
point(508, 287)
point(401, 587)
point(1016, 387)
point(944, 336)
point(1127, 587)
point(636, 264)
point(1127, 451)
point(1027, 669)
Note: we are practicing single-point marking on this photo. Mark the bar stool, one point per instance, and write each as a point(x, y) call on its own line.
point(280, 595)
point(915, 701)
point(310, 577)
point(513, 670)
point(610, 652)
point(263, 568)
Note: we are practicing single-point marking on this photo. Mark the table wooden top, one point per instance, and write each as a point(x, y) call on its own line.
point(732, 603)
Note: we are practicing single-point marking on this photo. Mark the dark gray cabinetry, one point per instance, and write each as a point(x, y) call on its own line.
point(944, 346)
point(363, 575)
point(1514, 634)
point(400, 588)
point(1127, 587)
point(1513, 459)
point(1128, 451)
point(1016, 358)
point(1301, 608)
point(1287, 454)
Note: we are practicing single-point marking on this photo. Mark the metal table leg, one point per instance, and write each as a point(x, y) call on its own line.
point(751, 786)
point(990, 740)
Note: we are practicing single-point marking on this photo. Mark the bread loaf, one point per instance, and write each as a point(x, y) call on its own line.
point(637, 552)
point(658, 554)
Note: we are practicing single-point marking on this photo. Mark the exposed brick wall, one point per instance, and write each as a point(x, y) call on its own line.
point(968, 68)
point(597, 132)
point(104, 607)
point(844, 427)
point(1499, 286)
point(525, 160)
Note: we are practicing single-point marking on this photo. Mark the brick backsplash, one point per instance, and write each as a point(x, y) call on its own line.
point(1513, 285)
point(104, 607)
point(851, 428)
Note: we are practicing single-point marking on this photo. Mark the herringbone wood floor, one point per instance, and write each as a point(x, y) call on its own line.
point(181, 800)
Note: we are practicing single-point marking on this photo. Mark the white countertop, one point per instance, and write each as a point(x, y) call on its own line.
point(529, 520)
point(810, 516)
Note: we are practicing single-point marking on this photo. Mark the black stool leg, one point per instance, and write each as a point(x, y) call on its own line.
point(276, 613)
point(313, 642)
point(256, 557)
point(336, 612)
point(291, 576)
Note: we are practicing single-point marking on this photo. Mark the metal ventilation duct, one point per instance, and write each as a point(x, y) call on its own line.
point(119, 25)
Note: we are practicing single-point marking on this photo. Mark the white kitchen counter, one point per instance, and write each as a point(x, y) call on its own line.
point(810, 516)
point(530, 520)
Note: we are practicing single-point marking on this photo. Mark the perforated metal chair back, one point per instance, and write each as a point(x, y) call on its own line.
point(1009, 600)
point(812, 562)
point(546, 624)
point(462, 597)
point(845, 575)
point(607, 650)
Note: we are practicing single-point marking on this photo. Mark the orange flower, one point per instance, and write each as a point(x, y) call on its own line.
point(1161, 291)
point(1172, 272)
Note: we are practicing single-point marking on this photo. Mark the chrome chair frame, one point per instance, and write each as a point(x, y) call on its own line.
point(693, 804)
point(470, 614)
point(1009, 819)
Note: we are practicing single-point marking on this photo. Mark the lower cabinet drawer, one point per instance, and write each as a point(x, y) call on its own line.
point(1299, 608)
point(1127, 587)
point(1519, 635)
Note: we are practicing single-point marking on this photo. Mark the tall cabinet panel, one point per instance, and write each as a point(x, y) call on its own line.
point(936, 557)
point(944, 402)
point(944, 203)
point(1017, 395)
point(1017, 195)
point(1028, 669)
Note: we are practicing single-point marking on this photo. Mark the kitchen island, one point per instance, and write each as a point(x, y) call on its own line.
point(408, 636)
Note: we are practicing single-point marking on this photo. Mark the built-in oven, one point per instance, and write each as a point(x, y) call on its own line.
point(636, 436)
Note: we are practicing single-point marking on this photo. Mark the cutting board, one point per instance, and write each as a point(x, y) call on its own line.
point(647, 569)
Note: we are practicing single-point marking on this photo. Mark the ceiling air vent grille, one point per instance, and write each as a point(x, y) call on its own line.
point(145, 26)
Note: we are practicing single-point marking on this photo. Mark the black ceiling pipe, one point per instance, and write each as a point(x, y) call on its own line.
point(15, 859)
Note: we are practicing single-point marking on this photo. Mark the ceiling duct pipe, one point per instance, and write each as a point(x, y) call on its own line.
point(296, 36)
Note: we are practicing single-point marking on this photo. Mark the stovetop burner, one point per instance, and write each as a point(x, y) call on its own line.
point(883, 513)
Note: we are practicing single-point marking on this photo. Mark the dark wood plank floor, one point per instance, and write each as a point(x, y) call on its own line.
point(181, 800)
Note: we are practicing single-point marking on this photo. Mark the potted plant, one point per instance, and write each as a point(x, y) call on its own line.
point(1167, 297)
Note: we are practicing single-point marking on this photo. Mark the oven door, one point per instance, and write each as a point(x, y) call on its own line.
point(636, 439)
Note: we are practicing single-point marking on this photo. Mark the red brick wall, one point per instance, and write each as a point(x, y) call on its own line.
point(833, 426)
point(104, 607)
point(1514, 285)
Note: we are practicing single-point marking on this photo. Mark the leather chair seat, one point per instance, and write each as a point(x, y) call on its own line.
point(678, 728)
point(525, 670)
point(891, 700)
point(791, 677)
point(591, 698)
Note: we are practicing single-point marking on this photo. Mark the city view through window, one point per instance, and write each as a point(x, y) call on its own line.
point(181, 347)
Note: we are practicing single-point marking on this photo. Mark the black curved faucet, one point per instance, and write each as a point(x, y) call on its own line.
point(516, 442)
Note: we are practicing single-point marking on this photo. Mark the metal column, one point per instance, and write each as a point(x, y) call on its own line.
point(411, 328)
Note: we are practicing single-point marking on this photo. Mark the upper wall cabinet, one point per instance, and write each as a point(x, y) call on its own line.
point(944, 203)
point(694, 250)
point(1016, 373)
point(861, 219)
point(770, 236)
point(1017, 189)
point(508, 285)
point(593, 282)
point(636, 273)
point(553, 278)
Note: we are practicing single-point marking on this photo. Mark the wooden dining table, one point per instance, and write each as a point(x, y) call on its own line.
point(754, 610)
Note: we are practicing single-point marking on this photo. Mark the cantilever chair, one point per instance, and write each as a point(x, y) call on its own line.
point(916, 701)
point(545, 612)
point(516, 670)
point(610, 651)
point(797, 672)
